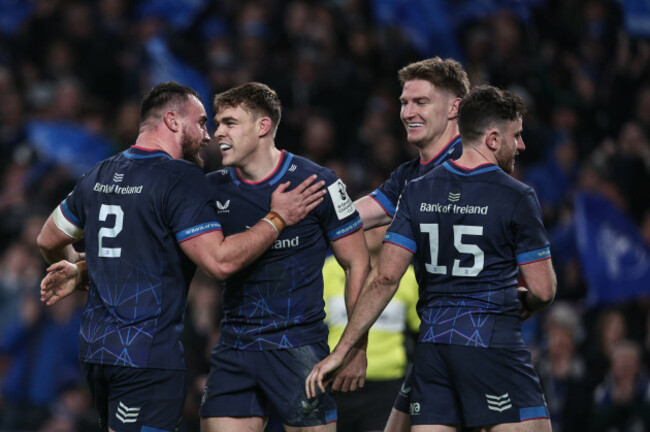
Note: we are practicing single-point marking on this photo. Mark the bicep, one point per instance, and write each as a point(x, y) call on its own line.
point(351, 250)
point(52, 241)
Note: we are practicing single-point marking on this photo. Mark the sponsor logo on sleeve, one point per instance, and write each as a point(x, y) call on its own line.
point(343, 205)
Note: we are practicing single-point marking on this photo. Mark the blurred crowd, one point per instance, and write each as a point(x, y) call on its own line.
point(72, 74)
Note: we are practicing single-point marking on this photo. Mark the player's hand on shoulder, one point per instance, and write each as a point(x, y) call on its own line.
point(353, 372)
point(61, 280)
point(293, 205)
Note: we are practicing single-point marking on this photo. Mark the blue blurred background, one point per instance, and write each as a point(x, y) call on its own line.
point(72, 74)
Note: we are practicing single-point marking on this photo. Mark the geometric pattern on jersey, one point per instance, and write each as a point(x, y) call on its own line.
point(389, 192)
point(136, 302)
point(469, 229)
point(277, 301)
point(135, 208)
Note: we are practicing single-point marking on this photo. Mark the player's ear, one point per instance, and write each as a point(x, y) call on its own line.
point(492, 139)
point(171, 121)
point(265, 125)
point(453, 108)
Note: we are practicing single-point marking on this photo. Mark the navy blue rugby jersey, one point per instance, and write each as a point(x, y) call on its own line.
point(133, 210)
point(469, 230)
point(277, 302)
point(388, 193)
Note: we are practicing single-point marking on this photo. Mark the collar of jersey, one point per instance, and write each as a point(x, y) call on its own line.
point(271, 179)
point(450, 165)
point(442, 154)
point(142, 153)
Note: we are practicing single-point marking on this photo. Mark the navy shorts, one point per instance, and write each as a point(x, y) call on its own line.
point(404, 395)
point(136, 400)
point(454, 384)
point(266, 383)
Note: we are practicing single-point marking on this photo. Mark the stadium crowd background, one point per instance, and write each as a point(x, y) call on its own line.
point(72, 74)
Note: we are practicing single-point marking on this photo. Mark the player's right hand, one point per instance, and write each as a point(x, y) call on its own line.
point(322, 374)
point(61, 280)
point(295, 204)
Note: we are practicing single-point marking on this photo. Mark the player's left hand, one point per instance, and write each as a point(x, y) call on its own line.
point(524, 312)
point(61, 280)
point(322, 374)
point(353, 373)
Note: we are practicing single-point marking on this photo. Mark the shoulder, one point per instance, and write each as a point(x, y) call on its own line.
point(407, 169)
point(305, 168)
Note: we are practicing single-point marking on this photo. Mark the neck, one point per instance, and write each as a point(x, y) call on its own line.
point(154, 141)
point(473, 156)
point(433, 148)
point(260, 164)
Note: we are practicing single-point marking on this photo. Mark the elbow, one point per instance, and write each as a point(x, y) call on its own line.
point(221, 271)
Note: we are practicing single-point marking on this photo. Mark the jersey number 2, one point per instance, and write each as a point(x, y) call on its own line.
point(111, 232)
point(472, 249)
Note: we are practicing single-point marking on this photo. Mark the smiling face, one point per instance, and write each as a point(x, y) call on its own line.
point(425, 111)
point(195, 134)
point(511, 143)
point(237, 135)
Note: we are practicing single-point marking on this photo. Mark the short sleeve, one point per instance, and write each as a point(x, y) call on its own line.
point(400, 232)
point(388, 193)
point(69, 216)
point(189, 211)
point(339, 216)
point(531, 240)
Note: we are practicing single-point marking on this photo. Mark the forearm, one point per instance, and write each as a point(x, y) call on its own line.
point(371, 302)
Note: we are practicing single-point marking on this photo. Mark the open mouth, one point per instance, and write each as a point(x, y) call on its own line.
point(224, 146)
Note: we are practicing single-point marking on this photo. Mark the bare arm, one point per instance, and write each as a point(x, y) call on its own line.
point(56, 245)
point(352, 254)
point(541, 285)
point(372, 214)
point(220, 257)
point(379, 288)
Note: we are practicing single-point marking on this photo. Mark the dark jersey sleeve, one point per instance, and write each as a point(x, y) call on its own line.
point(189, 211)
point(531, 240)
point(400, 231)
point(339, 216)
point(388, 193)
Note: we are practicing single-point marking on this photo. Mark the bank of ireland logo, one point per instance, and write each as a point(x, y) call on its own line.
point(126, 414)
point(498, 403)
point(117, 177)
point(454, 197)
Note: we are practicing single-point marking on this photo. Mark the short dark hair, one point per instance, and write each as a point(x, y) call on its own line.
point(486, 107)
point(255, 98)
point(163, 95)
point(446, 74)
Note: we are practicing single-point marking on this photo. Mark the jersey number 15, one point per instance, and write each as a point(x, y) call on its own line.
point(466, 248)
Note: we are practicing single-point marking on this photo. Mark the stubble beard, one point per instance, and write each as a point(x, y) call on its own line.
point(191, 149)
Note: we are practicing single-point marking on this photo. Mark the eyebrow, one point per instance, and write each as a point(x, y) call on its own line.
point(224, 119)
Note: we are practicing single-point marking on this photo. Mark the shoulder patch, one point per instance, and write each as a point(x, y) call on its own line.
point(343, 205)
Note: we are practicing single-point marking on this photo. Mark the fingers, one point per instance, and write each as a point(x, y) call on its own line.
point(282, 187)
point(305, 183)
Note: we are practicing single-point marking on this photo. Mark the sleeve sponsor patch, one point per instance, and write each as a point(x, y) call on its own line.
point(343, 205)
